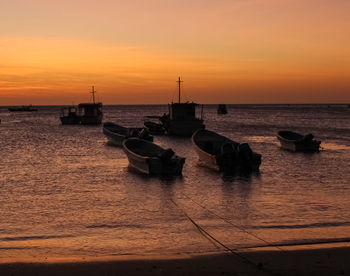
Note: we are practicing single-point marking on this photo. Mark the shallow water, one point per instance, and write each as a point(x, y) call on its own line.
point(66, 193)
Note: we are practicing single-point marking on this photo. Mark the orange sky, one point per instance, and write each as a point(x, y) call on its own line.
point(232, 51)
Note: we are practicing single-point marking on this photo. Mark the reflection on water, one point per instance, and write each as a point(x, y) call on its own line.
point(66, 193)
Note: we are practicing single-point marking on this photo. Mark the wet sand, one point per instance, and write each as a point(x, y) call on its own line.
point(325, 261)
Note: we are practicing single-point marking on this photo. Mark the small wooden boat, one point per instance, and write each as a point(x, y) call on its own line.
point(293, 141)
point(153, 127)
point(222, 109)
point(84, 114)
point(221, 153)
point(116, 134)
point(152, 159)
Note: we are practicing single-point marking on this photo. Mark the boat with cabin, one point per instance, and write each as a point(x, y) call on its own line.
point(149, 158)
point(294, 141)
point(84, 114)
point(116, 134)
point(69, 116)
point(220, 153)
point(181, 119)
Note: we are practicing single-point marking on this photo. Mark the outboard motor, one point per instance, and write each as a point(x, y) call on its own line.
point(166, 155)
point(308, 138)
point(245, 152)
point(228, 155)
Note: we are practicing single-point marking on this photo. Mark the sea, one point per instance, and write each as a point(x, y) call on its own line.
point(66, 193)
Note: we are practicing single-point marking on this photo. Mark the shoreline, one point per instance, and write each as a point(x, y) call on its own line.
point(294, 260)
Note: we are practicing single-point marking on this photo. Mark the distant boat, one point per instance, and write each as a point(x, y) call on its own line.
point(116, 134)
point(152, 159)
point(90, 113)
point(222, 109)
point(24, 108)
point(181, 119)
point(87, 114)
point(293, 141)
point(221, 153)
point(69, 116)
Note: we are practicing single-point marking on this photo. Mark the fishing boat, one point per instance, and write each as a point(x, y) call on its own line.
point(85, 114)
point(69, 116)
point(222, 109)
point(24, 108)
point(222, 154)
point(153, 127)
point(293, 141)
point(181, 119)
point(152, 159)
point(116, 134)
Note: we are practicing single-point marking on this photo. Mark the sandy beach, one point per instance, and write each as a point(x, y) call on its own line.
point(320, 261)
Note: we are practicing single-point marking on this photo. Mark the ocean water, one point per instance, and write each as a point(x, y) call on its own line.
point(66, 193)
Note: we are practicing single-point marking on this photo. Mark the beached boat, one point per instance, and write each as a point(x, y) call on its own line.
point(24, 108)
point(116, 134)
point(293, 141)
point(221, 153)
point(181, 119)
point(152, 159)
point(222, 109)
point(85, 114)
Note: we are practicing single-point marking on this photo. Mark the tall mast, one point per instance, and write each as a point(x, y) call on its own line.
point(93, 94)
point(179, 82)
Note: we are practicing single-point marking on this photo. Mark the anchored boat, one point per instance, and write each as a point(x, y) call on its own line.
point(222, 109)
point(152, 159)
point(24, 108)
point(116, 134)
point(221, 153)
point(294, 141)
point(87, 113)
point(181, 119)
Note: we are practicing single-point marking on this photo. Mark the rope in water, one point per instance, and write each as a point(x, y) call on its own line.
point(236, 226)
point(206, 235)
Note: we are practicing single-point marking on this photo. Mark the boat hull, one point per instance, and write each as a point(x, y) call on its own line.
point(91, 120)
point(70, 120)
point(152, 165)
point(116, 134)
point(183, 128)
point(300, 144)
point(211, 150)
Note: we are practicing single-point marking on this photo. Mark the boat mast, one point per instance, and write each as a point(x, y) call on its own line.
point(179, 82)
point(93, 94)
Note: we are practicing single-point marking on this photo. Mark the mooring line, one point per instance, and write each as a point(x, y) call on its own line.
point(205, 233)
point(236, 226)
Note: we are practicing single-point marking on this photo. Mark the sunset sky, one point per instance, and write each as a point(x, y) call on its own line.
point(229, 51)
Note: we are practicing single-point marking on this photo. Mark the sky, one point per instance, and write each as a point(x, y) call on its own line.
point(226, 51)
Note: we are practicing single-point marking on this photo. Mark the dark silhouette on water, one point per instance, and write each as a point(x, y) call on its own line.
point(222, 109)
point(152, 159)
point(88, 113)
point(69, 116)
point(28, 108)
point(221, 153)
point(116, 134)
point(293, 141)
point(181, 119)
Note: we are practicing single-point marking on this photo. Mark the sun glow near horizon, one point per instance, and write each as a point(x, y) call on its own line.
point(231, 51)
